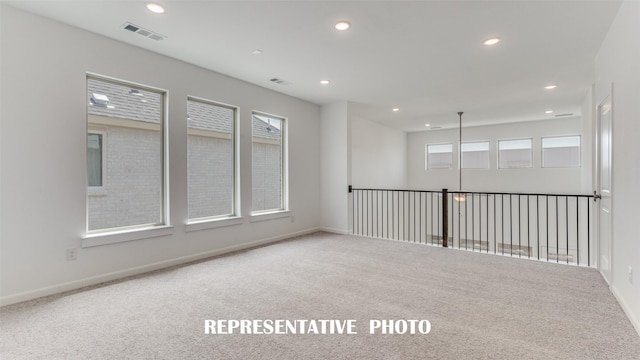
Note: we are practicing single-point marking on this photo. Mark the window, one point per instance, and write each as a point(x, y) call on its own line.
point(129, 163)
point(513, 154)
point(561, 151)
point(94, 159)
point(439, 156)
point(475, 155)
point(268, 163)
point(210, 159)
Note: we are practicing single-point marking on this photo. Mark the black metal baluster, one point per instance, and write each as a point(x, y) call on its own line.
point(368, 212)
point(519, 228)
point(360, 213)
point(407, 215)
point(372, 224)
point(364, 212)
point(557, 233)
point(480, 222)
point(589, 233)
point(365, 209)
point(378, 207)
point(414, 217)
point(420, 217)
point(373, 213)
point(577, 231)
point(359, 217)
point(393, 216)
point(487, 203)
point(538, 225)
point(528, 233)
point(566, 208)
point(473, 222)
point(457, 217)
point(495, 228)
point(502, 218)
point(432, 231)
point(388, 214)
point(547, 202)
point(510, 224)
point(453, 221)
point(353, 210)
point(380, 214)
point(466, 215)
point(438, 218)
point(398, 217)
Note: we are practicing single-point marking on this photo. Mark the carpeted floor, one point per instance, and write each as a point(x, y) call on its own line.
point(479, 307)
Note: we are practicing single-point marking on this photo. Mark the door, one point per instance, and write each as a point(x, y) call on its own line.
point(604, 128)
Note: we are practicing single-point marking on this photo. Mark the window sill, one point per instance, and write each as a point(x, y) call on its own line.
point(278, 214)
point(97, 191)
point(213, 223)
point(118, 236)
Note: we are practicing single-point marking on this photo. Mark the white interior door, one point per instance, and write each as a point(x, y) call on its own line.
point(604, 187)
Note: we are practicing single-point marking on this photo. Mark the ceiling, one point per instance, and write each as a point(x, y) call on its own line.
point(426, 58)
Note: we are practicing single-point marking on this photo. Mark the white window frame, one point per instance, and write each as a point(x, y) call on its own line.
point(99, 190)
point(235, 217)
point(426, 157)
point(476, 142)
point(284, 210)
point(542, 148)
point(498, 151)
point(143, 231)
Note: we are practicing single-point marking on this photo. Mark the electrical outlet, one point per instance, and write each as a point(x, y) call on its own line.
point(293, 219)
point(630, 275)
point(72, 254)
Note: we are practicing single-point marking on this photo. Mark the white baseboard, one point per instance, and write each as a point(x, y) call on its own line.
point(93, 280)
point(627, 309)
point(336, 231)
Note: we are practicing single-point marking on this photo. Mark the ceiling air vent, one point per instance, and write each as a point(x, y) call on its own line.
point(563, 115)
point(142, 31)
point(279, 81)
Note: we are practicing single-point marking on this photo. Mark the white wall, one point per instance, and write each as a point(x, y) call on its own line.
point(335, 166)
point(556, 180)
point(617, 63)
point(588, 142)
point(43, 156)
point(378, 155)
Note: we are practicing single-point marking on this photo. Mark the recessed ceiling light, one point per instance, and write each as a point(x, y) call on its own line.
point(256, 52)
point(155, 8)
point(427, 125)
point(395, 109)
point(548, 111)
point(324, 82)
point(342, 25)
point(492, 41)
point(549, 87)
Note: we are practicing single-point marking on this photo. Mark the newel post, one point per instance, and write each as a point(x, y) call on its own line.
point(445, 218)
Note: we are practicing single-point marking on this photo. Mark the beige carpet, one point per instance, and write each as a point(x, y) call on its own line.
point(480, 307)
